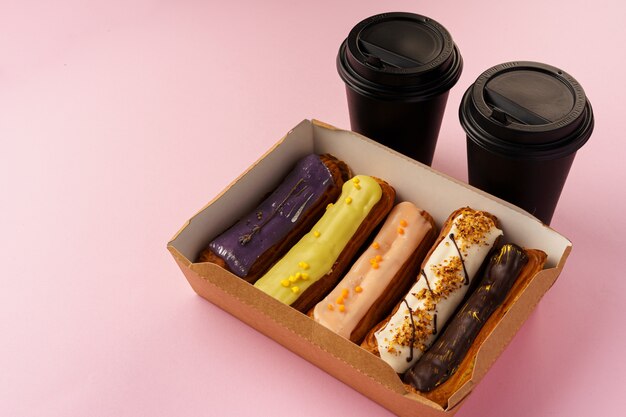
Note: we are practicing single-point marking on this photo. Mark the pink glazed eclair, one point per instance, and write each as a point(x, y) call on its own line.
point(381, 275)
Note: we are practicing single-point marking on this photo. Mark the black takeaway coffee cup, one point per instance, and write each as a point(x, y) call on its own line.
point(398, 69)
point(524, 123)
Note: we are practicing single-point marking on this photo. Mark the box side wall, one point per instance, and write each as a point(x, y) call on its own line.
point(306, 339)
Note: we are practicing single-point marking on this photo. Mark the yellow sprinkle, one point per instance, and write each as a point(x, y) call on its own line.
point(295, 289)
point(339, 300)
point(403, 223)
point(378, 258)
point(376, 245)
point(348, 200)
point(342, 308)
point(285, 283)
point(400, 231)
point(475, 315)
point(303, 265)
point(292, 278)
point(358, 288)
point(345, 293)
point(330, 307)
point(298, 275)
point(304, 276)
point(373, 261)
point(329, 206)
point(487, 287)
point(356, 180)
point(357, 186)
point(316, 233)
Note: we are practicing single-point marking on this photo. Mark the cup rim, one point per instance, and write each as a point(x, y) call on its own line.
point(415, 83)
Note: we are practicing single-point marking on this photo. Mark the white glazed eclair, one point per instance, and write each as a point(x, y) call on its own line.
point(447, 272)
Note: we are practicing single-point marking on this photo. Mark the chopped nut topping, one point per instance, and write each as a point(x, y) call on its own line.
point(423, 329)
point(472, 227)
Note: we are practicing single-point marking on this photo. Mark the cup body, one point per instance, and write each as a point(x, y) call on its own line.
point(398, 69)
point(524, 122)
point(534, 185)
point(409, 127)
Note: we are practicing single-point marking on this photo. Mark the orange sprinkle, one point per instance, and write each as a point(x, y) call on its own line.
point(400, 231)
point(342, 308)
point(358, 288)
point(330, 307)
point(339, 300)
point(345, 293)
point(403, 223)
point(376, 245)
point(375, 265)
point(378, 258)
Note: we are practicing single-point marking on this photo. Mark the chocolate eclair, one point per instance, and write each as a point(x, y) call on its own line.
point(259, 239)
point(509, 266)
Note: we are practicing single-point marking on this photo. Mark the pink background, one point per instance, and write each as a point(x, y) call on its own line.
point(119, 120)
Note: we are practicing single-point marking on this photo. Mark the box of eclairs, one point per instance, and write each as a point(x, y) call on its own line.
point(400, 281)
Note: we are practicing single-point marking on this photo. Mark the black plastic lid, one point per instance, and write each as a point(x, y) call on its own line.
point(523, 108)
point(399, 54)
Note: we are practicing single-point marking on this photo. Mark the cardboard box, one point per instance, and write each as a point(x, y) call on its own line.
point(428, 189)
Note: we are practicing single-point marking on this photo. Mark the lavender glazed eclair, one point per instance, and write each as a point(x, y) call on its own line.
point(259, 239)
point(381, 275)
point(465, 240)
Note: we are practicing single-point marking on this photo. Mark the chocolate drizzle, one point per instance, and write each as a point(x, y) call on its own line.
point(466, 282)
point(423, 273)
point(413, 330)
point(427, 283)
